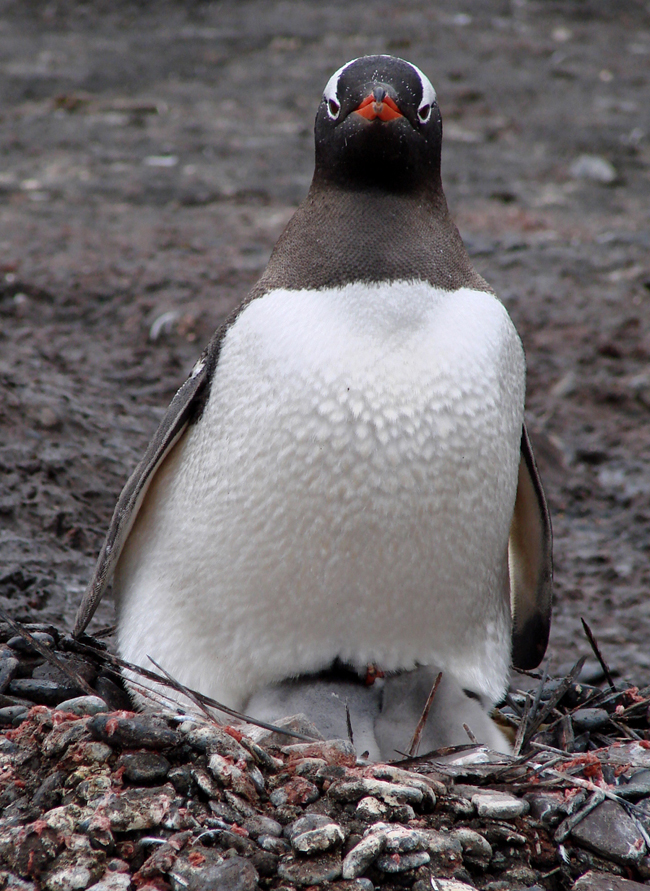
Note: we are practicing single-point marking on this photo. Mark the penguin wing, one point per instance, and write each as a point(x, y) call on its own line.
point(530, 559)
point(183, 408)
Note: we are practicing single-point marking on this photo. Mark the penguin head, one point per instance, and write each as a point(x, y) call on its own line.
point(378, 125)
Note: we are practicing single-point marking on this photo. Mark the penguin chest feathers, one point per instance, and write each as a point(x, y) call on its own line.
point(347, 492)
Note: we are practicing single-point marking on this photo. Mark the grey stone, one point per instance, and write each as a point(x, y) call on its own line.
point(298, 791)
point(62, 736)
point(214, 874)
point(313, 834)
point(443, 844)
point(21, 645)
point(450, 885)
point(605, 881)
point(42, 691)
point(545, 806)
point(315, 871)
point(589, 718)
point(363, 855)
point(12, 715)
point(234, 874)
point(8, 668)
point(76, 868)
point(393, 863)
point(499, 805)
point(594, 168)
point(637, 787)
point(498, 834)
point(144, 767)
point(134, 809)
point(609, 832)
point(260, 825)
point(213, 739)
point(390, 793)
point(401, 840)
point(112, 881)
point(181, 779)
point(477, 851)
point(139, 731)
point(371, 810)
point(83, 705)
point(273, 844)
point(48, 794)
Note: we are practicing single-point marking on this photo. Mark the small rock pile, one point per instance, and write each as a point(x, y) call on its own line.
point(97, 798)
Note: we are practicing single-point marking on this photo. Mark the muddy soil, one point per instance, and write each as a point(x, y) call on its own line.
point(151, 155)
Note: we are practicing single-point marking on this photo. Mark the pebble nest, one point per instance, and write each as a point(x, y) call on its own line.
point(95, 796)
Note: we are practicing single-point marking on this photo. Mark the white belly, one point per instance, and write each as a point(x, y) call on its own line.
point(347, 492)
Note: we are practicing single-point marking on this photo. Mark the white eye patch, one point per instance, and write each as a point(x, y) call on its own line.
point(428, 96)
point(333, 103)
point(330, 93)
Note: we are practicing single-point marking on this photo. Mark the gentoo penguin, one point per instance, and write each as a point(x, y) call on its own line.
point(345, 477)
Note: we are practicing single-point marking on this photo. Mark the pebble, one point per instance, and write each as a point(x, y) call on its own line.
point(450, 885)
point(390, 793)
point(393, 863)
point(83, 705)
point(260, 825)
point(112, 881)
point(42, 691)
point(371, 809)
point(213, 739)
point(297, 791)
point(209, 871)
point(144, 767)
point(76, 868)
point(594, 168)
point(333, 751)
point(401, 840)
point(8, 668)
point(313, 834)
point(13, 715)
point(444, 845)
point(608, 831)
point(499, 805)
point(477, 851)
point(601, 881)
point(545, 806)
point(315, 871)
point(363, 855)
point(21, 645)
point(134, 809)
point(62, 736)
point(589, 718)
point(138, 731)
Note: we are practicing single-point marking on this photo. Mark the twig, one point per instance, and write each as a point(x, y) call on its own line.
point(557, 696)
point(468, 731)
point(598, 654)
point(571, 822)
point(348, 721)
point(51, 657)
point(185, 691)
point(521, 730)
point(417, 735)
point(116, 663)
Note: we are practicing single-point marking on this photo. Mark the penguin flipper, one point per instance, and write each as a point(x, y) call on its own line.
point(182, 409)
point(530, 559)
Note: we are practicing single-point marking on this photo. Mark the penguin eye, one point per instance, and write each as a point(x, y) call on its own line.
point(333, 108)
point(424, 113)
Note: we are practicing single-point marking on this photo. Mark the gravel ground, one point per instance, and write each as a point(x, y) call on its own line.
point(152, 154)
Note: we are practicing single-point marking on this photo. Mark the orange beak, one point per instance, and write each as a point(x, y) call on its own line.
point(385, 109)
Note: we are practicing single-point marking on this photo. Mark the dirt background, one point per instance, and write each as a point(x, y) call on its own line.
point(151, 155)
